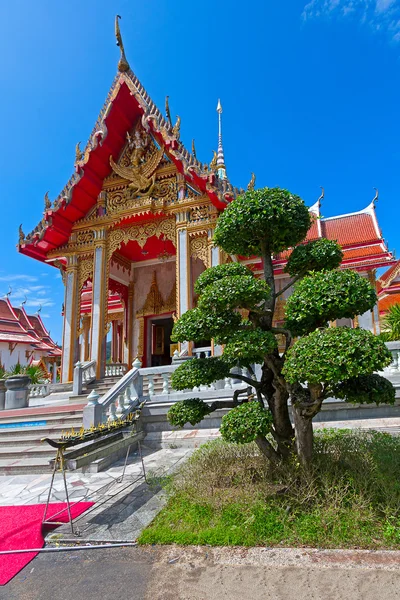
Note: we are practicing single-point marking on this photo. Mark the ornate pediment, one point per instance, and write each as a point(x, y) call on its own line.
point(143, 176)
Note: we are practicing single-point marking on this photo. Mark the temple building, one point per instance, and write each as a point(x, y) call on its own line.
point(388, 286)
point(133, 229)
point(24, 340)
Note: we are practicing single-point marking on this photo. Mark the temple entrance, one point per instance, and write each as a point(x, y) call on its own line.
point(159, 331)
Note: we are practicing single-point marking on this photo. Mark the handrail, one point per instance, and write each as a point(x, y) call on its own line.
point(84, 373)
point(119, 400)
point(39, 390)
point(115, 369)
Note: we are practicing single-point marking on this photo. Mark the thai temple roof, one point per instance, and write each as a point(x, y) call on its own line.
point(17, 326)
point(128, 103)
point(388, 286)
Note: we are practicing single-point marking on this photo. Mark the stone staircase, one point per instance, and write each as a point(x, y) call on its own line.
point(21, 451)
point(21, 431)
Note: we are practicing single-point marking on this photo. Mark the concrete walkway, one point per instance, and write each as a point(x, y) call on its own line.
point(122, 508)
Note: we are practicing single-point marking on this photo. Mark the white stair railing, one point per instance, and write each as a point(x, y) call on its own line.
point(119, 400)
point(84, 373)
point(116, 369)
point(39, 390)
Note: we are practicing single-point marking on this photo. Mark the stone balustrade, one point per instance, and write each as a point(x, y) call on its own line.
point(116, 369)
point(84, 373)
point(125, 395)
point(39, 390)
point(394, 368)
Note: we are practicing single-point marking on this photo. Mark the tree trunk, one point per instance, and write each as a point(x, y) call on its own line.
point(267, 449)
point(277, 399)
point(304, 435)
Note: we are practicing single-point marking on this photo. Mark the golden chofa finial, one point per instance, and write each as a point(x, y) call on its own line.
point(252, 182)
point(78, 153)
point(376, 197)
point(193, 149)
point(213, 163)
point(123, 64)
point(167, 111)
point(47, 201)
point(21, 235)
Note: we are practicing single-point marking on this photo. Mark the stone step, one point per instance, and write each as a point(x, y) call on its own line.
point(33, 435)
point(22, 451)
point(182, 438)
point(40, 413)
point(22, 466)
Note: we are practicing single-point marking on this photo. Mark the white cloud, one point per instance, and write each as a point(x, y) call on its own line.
point(381, 16)
point(21, 277)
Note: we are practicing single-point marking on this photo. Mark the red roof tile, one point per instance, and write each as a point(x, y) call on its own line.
point(387, 301)
point(350, 229)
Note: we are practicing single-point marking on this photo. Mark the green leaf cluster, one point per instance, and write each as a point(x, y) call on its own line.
point(190, 411)
point(218, 272)
point(196, 325)
point(249, 346)
point(366, 389)
point(332, 355)
point(391, 323)
point(317, 255)
point(270, 218)
point(236, 291)
point(245, 422)
point(199, 371)
point(326, 296)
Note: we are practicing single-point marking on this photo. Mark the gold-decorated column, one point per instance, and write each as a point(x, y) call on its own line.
point(99, 301)
point(71, 305)
point(183, 275)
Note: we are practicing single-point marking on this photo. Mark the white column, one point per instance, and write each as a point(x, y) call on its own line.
point(70, 319)
point(215, 253)
point(99, 302)
point(182, 271)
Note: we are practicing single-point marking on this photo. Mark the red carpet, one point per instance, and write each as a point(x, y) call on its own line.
point(21, 528)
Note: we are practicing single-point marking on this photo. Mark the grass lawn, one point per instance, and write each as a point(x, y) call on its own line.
point(227, 494)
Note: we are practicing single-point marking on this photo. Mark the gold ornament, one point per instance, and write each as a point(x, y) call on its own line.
point(252, 182)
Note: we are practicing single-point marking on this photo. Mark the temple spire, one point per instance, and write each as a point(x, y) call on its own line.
point(123, 64)
point(221, 169)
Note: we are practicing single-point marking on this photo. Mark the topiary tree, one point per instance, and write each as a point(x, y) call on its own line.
point(236, 309)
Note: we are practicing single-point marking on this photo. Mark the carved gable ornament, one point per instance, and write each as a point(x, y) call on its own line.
point(138, 166)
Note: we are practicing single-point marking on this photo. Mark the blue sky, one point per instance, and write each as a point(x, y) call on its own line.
point(309, 91)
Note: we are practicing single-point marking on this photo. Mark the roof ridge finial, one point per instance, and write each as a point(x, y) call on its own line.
point(376, 197)
point(123, 64)
point(322, 196)
point(221, 169)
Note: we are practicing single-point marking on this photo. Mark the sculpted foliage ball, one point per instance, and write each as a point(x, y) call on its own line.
point(269, 217)
point(199, 371)
point(249, 346)
point(237, 291)
point(332, 355)
point(326, 296)
point(190, 411)
point(245, 422)
point(366, 389)
point(317, 255)
point(196, 325)
point(218, 272)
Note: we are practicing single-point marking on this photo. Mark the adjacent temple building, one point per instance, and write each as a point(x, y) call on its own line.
point(133, 229)
point(24, 340)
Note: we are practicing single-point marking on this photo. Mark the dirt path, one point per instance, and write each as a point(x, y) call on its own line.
point(176, 573)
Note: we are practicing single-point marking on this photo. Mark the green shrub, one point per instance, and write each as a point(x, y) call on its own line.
point(190, 411)
point(245, 422)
